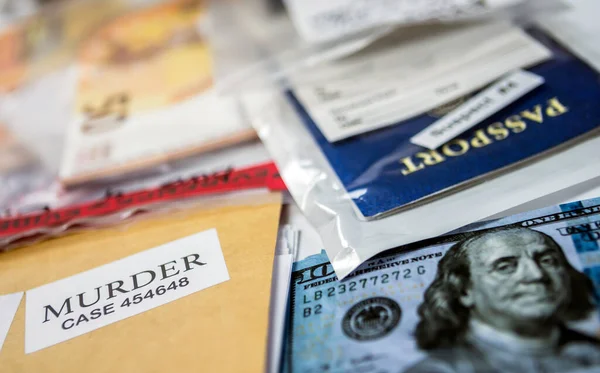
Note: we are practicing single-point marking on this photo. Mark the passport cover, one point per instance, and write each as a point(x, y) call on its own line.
point(219, 329)
point(384, 172)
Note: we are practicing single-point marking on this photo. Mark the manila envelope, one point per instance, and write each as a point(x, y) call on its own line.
point(222, 328)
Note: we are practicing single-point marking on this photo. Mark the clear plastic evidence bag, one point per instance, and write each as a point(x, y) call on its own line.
point(540, 144)
point(257, 45)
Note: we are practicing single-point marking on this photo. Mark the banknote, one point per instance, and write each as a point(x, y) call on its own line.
point(46, 39)
point(13, 155)
point(144, 95)
point(517, 294)
point(20, 170)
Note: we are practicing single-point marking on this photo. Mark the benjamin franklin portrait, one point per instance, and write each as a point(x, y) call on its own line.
point(501, 301)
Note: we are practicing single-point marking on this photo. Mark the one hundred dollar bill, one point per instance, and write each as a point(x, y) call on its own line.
point(518, 294)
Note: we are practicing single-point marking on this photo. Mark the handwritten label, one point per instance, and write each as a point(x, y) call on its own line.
point(478, 108)
point(8, 308)
point(79, 304)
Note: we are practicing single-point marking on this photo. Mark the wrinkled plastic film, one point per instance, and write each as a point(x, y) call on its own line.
point(36, 116)
point(261, 49)
point(33, 208)
point(318, 192)
point(124, 218)
point(350, 241)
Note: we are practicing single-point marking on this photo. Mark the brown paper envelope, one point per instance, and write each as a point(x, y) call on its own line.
point(219, 329)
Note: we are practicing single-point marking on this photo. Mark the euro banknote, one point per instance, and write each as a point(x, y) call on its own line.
point(46, 40)
point(145, 95)
point(517, 294)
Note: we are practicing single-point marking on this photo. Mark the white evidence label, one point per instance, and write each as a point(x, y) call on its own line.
point(478, 108)
point(9, 304)
point(79, 304)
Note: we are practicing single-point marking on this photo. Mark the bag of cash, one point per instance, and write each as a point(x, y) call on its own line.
point(517, 294)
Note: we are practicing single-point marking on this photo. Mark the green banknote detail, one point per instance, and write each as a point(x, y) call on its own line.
point(518, 294)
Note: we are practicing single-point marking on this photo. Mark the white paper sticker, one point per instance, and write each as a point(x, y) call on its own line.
point(8, 308)
point(318, 20)
point(478, 108)
point(396, 86)
point(79, 304)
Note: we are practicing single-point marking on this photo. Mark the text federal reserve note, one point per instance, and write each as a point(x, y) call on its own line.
point(518, 294)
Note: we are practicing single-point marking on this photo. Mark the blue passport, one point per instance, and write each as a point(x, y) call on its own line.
point(393, 174)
